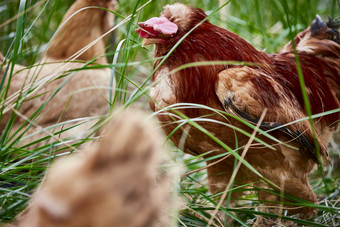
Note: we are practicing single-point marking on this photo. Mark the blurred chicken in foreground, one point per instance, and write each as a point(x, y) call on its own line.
point(270, 81)
point(61, 76)
point(119, 181)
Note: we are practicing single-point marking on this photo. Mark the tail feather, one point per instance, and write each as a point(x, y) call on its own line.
point(334, 29)
point(329, 30)
point(317, 25)
point(333, 23)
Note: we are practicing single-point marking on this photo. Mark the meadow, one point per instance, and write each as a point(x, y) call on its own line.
point(26, 28)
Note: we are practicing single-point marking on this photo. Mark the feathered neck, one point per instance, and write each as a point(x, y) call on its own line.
point(80, 30)
point(207, 43)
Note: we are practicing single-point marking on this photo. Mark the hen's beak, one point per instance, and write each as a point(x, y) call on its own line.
point(156, 30)
point(149, 41)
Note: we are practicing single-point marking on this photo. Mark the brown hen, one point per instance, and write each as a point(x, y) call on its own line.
point(115, 182)
point(269, 81)
point(63, 81)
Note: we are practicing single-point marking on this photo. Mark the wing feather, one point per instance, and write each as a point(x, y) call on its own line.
point(245, 92)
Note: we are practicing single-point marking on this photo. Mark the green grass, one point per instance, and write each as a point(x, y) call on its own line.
point(25, 32)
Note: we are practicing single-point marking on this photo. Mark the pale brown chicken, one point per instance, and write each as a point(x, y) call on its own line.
point(83, 92)
point(270, 82)
point(118, 181)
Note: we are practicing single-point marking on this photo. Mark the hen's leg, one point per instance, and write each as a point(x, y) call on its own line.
point(294, 186)
point(219, 175)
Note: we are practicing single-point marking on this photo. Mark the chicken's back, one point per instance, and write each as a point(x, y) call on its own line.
point(319, 58)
